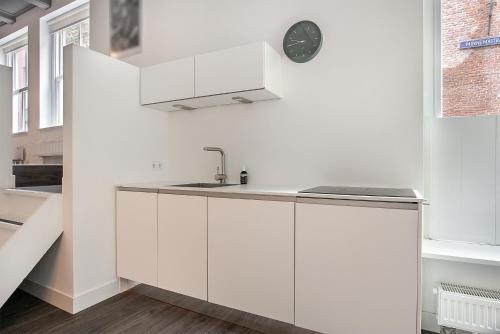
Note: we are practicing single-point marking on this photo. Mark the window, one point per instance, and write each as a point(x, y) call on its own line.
point(78, 34)
point(462, 174)
point(18, 60)
point(470, 57)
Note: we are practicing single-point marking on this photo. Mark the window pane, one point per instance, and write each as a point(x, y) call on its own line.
point(8, 59)
point(84, 31)
point(17, 107)
point(25, 111)
point(58, 117)
point(71, 35)
point(20, 112)
point(20, 66)
point(18, 60)
point(57, 53)
point(470, 75)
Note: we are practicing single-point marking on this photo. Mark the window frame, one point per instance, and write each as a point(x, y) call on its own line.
point(51, 63)
point(438, 68)
point(56, 72)
point(22, 92)
point(434, 121)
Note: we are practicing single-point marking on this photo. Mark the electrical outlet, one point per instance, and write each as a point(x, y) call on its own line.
point(157, 166)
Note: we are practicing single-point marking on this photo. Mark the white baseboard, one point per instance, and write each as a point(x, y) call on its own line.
point(68, 303)
point(96, 295)
point(50, 295)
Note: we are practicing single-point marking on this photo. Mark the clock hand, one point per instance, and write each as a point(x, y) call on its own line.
point(298, 42)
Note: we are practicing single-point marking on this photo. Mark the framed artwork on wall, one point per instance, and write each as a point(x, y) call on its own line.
point(125, 27)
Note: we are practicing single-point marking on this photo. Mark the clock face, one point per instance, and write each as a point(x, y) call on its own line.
point(302, 41)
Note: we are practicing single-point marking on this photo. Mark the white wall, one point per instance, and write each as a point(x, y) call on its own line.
point(6, 179)
point(351, 116)
point(108, 139)
point(31, 20)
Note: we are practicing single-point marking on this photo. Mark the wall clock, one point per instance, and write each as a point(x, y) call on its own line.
point(302, 41)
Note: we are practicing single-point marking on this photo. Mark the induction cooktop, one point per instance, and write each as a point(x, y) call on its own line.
point(360, 191)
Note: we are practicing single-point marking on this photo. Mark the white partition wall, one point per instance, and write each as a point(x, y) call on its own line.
point(6, 179)
point(108, 139)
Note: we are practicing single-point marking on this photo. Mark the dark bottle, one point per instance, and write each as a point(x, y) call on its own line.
point(244, 176)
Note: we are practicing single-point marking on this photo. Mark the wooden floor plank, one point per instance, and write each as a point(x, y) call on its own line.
point(129, 312)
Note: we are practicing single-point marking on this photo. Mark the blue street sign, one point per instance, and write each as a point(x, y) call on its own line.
point(479, 43)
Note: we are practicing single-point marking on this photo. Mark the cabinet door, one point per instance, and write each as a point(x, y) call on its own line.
point(250, 256)
point(230, 70)
point(182, 244)
point(136, 233)
point(356, 269)
point(169, 81)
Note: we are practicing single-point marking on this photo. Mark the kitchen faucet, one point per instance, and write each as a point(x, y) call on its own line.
point(220, 177)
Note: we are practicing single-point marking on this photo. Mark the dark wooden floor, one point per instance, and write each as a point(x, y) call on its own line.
point(129, 312)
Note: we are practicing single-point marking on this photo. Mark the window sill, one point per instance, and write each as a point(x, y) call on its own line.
point(464, 252)
point(23, 133)
point(48, 128)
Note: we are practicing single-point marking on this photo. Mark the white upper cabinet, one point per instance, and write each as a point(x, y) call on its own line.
point(170, 81)
point(243, 74)
point(238, 69)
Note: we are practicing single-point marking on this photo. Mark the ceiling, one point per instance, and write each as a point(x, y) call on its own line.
point(11, 9)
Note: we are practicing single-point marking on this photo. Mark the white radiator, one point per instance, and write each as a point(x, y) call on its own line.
point(467, 308)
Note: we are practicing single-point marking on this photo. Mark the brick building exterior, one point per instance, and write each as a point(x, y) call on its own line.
point(471, 78)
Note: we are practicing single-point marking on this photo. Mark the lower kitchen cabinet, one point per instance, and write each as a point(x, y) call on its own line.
point(330, 266)
point(182, 244)
point(136, 234)
point(356, 269)
point(251, 256)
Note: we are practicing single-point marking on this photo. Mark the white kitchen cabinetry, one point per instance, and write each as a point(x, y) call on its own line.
point(136, 233)
point(328, 265)
point(240, 69)
point(356, 269)
point(242, 74)
point(170, 81)
point(182, 244)
point(251, 256)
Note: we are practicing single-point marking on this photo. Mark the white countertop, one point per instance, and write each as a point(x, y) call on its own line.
point(262, 190)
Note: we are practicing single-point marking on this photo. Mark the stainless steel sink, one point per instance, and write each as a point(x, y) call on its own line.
point(203, 185)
